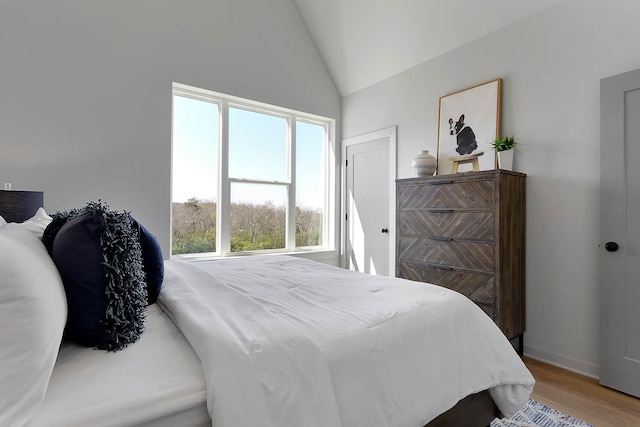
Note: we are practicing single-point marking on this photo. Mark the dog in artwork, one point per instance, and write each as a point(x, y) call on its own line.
point(465, 137)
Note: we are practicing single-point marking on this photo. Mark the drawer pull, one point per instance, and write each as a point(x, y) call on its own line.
point(441, 182)
point(440, 267)
point(441, 239)
point(441, 210)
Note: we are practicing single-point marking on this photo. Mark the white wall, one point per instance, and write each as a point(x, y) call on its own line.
point(85, 89)
point(551, 64)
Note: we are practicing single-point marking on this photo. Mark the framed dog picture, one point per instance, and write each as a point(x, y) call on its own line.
point(468, 120)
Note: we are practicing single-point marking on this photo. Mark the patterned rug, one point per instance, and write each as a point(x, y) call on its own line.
point(537, 414)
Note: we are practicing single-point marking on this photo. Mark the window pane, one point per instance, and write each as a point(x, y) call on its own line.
point(193, 227)
point(257, 146)
point(194, 175)
point(310, 184)
point(258, 219)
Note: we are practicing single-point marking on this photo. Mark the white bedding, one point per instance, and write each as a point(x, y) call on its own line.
point(156, 381)
point(288, 342)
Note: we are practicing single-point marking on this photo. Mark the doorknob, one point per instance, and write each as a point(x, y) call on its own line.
point(385, 230)
point(611, 246)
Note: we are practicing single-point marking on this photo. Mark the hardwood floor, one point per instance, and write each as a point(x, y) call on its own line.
point(582, 397)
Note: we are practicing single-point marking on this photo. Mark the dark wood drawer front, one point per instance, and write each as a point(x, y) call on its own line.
point(477, 287)
point(468, 225)
point(476, 194)
point(471, 255)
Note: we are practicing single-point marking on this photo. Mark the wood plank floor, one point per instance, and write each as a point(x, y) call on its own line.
point(582, 397)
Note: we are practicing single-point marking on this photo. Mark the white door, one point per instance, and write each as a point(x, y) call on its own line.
point(370, 202)
point(620, 232)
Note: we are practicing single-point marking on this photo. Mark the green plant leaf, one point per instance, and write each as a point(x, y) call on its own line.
point(503, 143)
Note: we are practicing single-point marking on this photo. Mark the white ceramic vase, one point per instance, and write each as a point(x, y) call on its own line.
point(505, 159)
point(424, 164)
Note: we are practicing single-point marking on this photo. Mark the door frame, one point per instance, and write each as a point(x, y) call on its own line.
point(390, 134)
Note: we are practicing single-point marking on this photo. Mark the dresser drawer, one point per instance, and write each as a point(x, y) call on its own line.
point(472, 194)
point(469, 225)
point(451, 253)
point(478, 287)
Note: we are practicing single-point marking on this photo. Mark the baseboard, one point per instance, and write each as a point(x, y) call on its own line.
point(564, 362)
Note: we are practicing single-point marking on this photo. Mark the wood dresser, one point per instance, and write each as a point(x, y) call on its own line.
point(466, 232)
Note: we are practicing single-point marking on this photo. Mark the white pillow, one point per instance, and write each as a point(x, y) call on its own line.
point(33, 313)
point(37, 223)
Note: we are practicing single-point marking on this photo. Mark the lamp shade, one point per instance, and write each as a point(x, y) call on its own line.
point(18, 206)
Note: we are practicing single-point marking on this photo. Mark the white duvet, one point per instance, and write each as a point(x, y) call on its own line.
point(285, 341)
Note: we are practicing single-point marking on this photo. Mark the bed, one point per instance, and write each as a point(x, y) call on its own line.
point(268, 340)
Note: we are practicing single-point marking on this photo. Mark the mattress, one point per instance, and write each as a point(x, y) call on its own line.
point(158, 381)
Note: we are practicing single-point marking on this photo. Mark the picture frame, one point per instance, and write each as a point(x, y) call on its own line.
point(468, 120)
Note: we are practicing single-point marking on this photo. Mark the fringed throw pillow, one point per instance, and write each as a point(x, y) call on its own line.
point(98, 254)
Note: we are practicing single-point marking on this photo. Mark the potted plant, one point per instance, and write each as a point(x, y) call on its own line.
point(504, 146)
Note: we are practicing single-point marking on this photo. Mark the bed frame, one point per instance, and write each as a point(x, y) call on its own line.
point(476, 410)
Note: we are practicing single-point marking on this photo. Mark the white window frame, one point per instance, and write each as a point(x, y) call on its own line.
point(223, 192)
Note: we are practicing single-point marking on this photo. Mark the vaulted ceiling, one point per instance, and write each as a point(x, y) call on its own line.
point(366, 41)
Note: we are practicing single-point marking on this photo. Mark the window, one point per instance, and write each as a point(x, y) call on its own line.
point(248, 176)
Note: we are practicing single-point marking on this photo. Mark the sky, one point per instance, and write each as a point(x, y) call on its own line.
point(257, 150)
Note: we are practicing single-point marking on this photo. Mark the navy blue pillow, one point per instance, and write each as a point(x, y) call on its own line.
point(152, 261)
point(49, 234)
point(98, 254)
point(77, 253)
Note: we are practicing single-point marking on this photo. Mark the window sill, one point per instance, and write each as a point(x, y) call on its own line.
point(327, 256)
